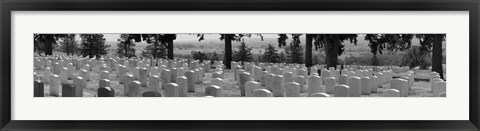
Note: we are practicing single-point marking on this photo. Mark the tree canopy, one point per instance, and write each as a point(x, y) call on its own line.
point(125, 45)
point(322, 41)
point(44, 43)
point(68, 44)
point(293, 52)
point(166, 40)
point(270, 55)
point(93, 45)
point(391, 42)
point(243, 54)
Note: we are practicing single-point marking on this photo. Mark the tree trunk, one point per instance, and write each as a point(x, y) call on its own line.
point(334, 59)
point(91, 46)
point(375, 61)
point(155, 49)
point(228, 51)
point(437, 57)
point(68, 49)
point(327, 49)
point(331, 52)
point(308, 50)
point(125, 48)
point(49, 44)
point(170, 49)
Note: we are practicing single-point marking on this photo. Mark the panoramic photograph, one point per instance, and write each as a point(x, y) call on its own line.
point(239, 65)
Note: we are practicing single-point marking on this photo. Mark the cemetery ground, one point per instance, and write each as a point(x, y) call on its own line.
point(420, 88)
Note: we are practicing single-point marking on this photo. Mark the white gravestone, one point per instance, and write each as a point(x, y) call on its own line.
point(314, 82)
point(250, 86)
point(262, 93)
point(342, 91)
point(329, 85)
point(54, 85)
point(365, 86)
point(153, 83)
point(190, 80)
point(213, 90)
point(441, 88)
point(300, 80)
point(278, 89)
point(320, 95)
point(292, 89)
point(400, 85)
point(391, 93)
point(142, 76)
point(354, 84)
point(171, 90)
point(134, 89)
point(182, 86)
point(244, 77)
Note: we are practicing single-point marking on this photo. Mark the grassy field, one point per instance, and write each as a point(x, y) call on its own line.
point(420, 88)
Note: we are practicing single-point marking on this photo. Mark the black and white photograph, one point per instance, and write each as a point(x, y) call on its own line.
point(239, 65)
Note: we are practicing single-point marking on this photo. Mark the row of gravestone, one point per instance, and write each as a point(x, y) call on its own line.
point(396, 85)
point(132, 87)
point(257, 72)
point(59, 88)
point(249, 66)
point(104, 72)
point(58, 68)
point(280, 87)
point(109, 63)
point(291, 89)
point(330, 81)
point(438, 85)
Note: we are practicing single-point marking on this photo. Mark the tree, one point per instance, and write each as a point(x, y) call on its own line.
point(227, 58)
point(155, 51)
point(433, 43)
point(391, 42)
point(282, 56)
point(93, 45)
point(121, 52)
point(270, 55)
point(308, 50)
point(126, 44)
point(243, 54)
point(415, 57)
point(155, 40)
point(197, 55)
point(294, 52)
point(282, 40)
point(214, 58)
point(167, 39)
point(68, 44)
point(333, 47)
point(228, 49)
point(155, 48)
point(45, 42)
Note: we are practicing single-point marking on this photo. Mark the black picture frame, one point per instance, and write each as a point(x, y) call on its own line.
point(7, 6)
